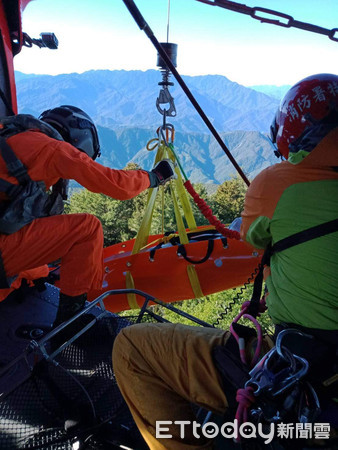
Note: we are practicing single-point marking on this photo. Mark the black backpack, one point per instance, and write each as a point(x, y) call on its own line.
point(27, 200)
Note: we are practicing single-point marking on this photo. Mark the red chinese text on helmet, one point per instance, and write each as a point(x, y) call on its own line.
point(306, 103)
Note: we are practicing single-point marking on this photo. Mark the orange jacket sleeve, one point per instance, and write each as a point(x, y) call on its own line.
point(67, 162)
point(260, 202)
point(48, 160)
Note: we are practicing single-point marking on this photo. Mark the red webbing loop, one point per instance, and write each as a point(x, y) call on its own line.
point(207, 213)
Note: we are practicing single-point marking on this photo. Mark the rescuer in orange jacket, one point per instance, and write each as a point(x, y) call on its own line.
point(76, 239)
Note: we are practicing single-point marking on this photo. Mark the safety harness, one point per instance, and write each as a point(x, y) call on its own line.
point(27, 200)
point(288, 242)
point(285, 380)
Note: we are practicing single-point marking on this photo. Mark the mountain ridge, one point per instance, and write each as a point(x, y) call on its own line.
point(123, 105)
point(128, 98)
point(201, 156)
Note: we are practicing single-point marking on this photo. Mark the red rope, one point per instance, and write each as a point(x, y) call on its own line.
point(245, 399)
point(207, 213)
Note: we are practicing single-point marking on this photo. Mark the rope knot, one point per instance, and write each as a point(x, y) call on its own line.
point(245, 397)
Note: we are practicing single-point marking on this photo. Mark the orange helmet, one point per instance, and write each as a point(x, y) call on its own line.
point(307, 103)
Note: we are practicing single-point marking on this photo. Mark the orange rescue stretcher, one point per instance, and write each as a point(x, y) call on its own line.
point(190, 263)
point(171, 271)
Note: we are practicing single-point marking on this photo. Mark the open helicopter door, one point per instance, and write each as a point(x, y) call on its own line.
point(11, 40)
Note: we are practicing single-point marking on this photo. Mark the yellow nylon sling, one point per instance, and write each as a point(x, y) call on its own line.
point(178, 192)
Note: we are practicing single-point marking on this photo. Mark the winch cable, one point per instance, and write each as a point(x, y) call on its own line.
point(143, 25)
point(289, 21)
point(168, 21)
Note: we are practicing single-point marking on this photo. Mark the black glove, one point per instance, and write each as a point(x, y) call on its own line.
point(163, 171)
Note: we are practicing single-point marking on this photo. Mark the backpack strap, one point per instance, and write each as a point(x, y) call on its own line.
point(3, 277)
point(12, 125)
point(11, 190)
point(14, 165)
point(290, 241)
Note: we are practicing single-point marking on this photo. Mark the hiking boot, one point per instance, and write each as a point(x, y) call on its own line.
point(68, 307)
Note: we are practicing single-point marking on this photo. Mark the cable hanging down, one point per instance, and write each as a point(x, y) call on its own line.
point(168, 21)
point(169, 110)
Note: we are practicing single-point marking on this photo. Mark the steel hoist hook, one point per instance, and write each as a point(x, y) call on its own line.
point(165, 98)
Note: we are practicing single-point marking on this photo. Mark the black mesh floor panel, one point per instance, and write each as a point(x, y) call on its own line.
point(78, 389)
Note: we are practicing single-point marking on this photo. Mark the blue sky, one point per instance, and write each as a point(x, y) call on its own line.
point(101, 34)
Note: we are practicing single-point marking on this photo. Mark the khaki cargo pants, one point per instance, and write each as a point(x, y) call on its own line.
point(161, 369)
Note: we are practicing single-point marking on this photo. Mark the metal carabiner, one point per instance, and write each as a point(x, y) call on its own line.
point(261, 377)
point(163, 130)
point(271, 377)
point(165, 98)
point(280, 349)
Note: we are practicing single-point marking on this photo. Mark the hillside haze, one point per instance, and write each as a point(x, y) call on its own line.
point(123, 105)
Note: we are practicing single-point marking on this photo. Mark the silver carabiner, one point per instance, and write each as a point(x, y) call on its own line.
point(280, 349)
point(165, 98)
point(266, 376)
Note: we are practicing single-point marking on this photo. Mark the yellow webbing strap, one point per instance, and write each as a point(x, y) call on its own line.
point(192, 274)
point(131, 297)
point(184, 200)
point(144, 230)
point(164, 240)
point(179, 220)
point(194, 281)
point(182, 193)
point(162, 209)
point(178, 191)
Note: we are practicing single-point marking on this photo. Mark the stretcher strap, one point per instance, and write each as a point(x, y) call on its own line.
point(159, 242)
point(178, 192)
point(168, 152)
point(179, 221)
point(144, 230)
point(181, 192)
point(183, 197)
point(194, 281)
point(163, 203)
point(131, 297)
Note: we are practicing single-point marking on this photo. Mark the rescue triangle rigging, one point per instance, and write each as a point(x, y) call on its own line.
point(175, 265)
